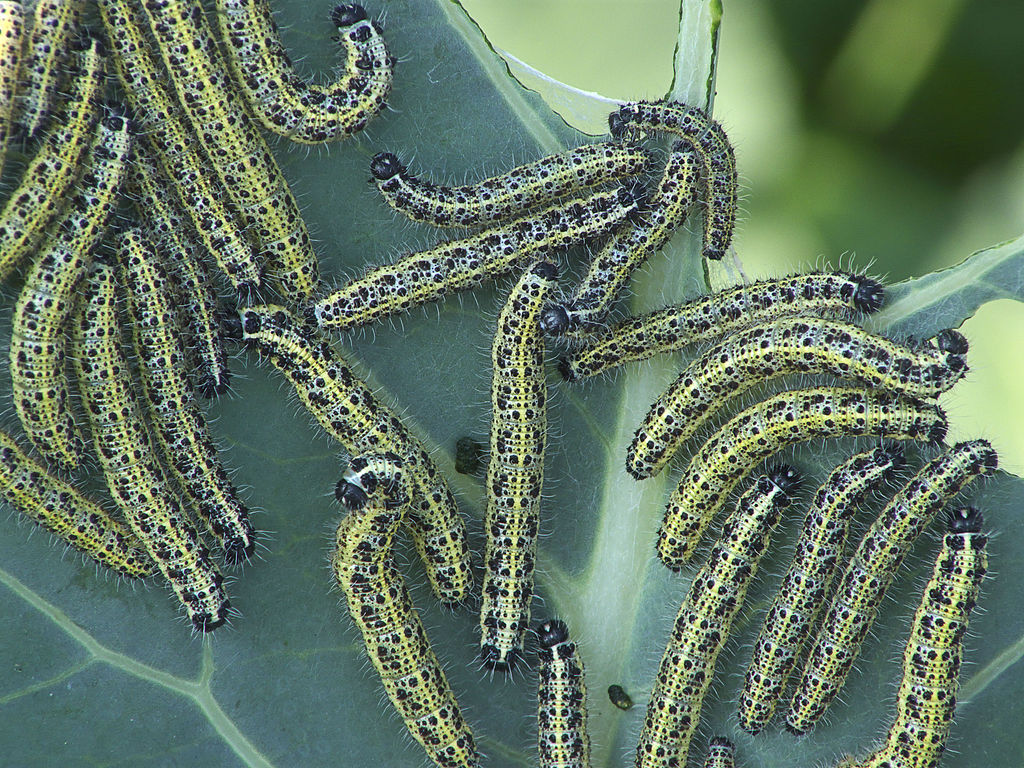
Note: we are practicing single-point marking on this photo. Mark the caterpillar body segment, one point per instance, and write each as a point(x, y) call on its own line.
point(926, 700)
point(802, 345)
point(630, 245)
point(504, 197)
point(562, 739)
point(62, 509)
point(46, 301)
point(179, 425)
point(239, 155)
point(705, 618)
point(134, 477)
point(715, 316)
point(795, 608)
point(462, 264)
point(43, 189)
point(766, 428)
point(350, 413)
point(711, 145)
point(170, 140)
point(871, 570)
point(284, 103)
point(205, 343)
point(515, 472)
point(12, 32)
point(376, 493)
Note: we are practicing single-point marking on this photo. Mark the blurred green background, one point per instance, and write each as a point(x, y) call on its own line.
point(886, 134)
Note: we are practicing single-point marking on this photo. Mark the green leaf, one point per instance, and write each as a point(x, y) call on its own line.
point(96, 672)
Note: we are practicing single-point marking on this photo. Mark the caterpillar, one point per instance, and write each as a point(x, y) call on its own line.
point(284, 103)
point(562, 740)
point(376, 492)
point(504, 197)
point(12, 30)
point(630, 245)
point(766, 428)
point(926, 699)
point(135, 479)
point(179, 426)
point(205, 344)
point(461, 264)
point(719, 314)
point(721, 753)
point(63, 510)
point(871, 570)
point(41, 193)
point(175, 149)
point(55, 24)
point(617, 695)
point(795, 607)
point(711, 145)
point(805, 345)
point(350, 413)
point(239, 155)
point(515, 472)
point(705, 618)
point(37, 354)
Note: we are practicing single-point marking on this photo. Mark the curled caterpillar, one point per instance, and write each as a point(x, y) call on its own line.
point(350, 413)
point(718, 160)
point(705, 618)
point(562, 740)
point(45, 304)
point(804, 345)
point(134, 477)
point(926, 700)
point(796, 605)
point(766, 428)
point(871, 570)
point(504, 197)
point(717, 315)
point(61, 509)
point(630, 245)
point(283, 102)
point(515, 472)
point(375, 490)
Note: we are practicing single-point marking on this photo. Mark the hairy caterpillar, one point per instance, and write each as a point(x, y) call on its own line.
point(175, 149)
point(711, 145)
point(135, 479)
point(503, 197)
point(630, 245)
point(60, 508)
point(719, 314)
point(42, 191)
point(239, 155)
point(705, 619)
point(562, 740)
point(795, 345)
point(871, 570)
point(796, 605)
point(55, 23)
point(461, 264)
point(12, 30)
point(515, 472)
point(350, 413)
point(766, 428)
point(283, 102)
point(179, 426)
point(926, 699)
point(721, 753)
point(37, 357)
point(205, 345)
point(376, 491)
